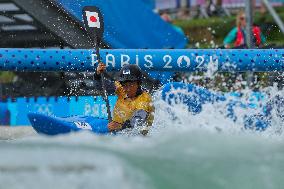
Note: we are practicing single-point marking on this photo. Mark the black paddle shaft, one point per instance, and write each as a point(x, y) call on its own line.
point(94, 24)
point(105, 95)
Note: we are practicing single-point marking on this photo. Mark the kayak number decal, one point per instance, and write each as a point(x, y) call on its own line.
point(83, 125)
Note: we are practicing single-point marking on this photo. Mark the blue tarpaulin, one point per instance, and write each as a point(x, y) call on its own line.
point(129, 24)
point(151, 3)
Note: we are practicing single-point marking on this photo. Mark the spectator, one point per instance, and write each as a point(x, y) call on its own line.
point(214, 7)
point(237, 35)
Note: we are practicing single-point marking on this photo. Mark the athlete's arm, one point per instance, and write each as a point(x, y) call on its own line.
point(114, 126)
point(137, 120)
point(109, 81)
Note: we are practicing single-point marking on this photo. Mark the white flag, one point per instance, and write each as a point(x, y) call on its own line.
point(93, 19)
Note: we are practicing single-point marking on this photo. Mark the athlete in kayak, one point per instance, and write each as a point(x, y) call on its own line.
point(134, 105)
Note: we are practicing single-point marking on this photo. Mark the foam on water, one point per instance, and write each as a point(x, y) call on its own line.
point(194, 151)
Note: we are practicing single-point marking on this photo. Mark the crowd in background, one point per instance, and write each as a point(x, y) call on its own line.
point(205, 8)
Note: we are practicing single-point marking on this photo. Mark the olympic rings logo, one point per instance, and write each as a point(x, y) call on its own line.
point(44, 108)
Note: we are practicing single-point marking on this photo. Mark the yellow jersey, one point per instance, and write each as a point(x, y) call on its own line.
point(124, 107)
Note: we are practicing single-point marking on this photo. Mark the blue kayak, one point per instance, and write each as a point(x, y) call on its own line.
point(50, 125)
point(192, 96)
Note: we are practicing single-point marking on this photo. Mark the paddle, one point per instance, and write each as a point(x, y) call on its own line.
point(94, 25)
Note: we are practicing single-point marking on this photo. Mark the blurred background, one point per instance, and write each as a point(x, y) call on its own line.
point(164, 24)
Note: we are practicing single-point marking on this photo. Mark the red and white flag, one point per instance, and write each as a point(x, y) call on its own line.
point(93, 19)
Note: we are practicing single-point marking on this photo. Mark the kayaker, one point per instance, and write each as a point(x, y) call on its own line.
point(134, 105)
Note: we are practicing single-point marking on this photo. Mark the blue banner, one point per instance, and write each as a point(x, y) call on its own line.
point(14, 113)
point(186, 60)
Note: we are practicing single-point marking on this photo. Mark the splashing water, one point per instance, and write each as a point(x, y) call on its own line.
point(205, 150)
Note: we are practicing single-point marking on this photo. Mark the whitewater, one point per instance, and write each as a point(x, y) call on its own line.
point(207, 150)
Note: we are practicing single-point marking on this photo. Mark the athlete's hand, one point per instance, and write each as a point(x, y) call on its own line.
point(101, 68)
point(112, 126)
